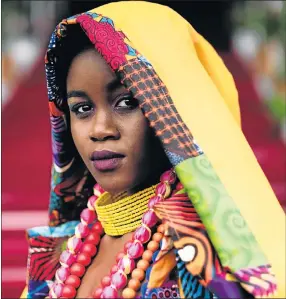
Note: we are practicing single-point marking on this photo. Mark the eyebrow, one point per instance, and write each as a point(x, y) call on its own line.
point(110, 87)
point(113, 85)
point(77, 94)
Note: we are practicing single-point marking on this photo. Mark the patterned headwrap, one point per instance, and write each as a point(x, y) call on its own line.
point(190, 100)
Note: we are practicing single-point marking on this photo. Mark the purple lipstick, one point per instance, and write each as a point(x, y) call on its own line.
point(106, 160)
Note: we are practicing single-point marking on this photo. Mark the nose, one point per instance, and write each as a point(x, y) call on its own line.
point(103, 126)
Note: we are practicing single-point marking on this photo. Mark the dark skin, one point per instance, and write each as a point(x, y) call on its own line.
point(105, 116)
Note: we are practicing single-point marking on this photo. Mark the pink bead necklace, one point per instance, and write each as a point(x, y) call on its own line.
point(82, 248)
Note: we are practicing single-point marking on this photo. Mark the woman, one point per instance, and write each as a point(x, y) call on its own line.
point(138, 207)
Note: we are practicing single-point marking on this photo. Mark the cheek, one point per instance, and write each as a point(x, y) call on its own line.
point(138, 137)
point(79, 135)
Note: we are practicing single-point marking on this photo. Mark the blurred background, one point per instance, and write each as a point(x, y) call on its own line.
point(250, 37)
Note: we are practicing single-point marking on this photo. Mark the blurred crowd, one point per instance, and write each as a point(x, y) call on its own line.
point(26, 27)
point(258, 37)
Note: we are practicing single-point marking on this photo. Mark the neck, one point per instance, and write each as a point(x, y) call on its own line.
point(146, 184)
point(151, 179)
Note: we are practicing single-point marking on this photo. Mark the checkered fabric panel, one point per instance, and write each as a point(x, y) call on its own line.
point(158, 107)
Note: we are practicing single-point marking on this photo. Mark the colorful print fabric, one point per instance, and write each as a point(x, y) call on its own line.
point(45, 246)
point(185, 266)
point(201, 256)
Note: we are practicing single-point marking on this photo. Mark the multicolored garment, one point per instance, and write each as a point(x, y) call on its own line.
point(219, 243)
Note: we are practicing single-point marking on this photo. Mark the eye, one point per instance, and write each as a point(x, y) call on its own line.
point(126, 102)
point(81, 110)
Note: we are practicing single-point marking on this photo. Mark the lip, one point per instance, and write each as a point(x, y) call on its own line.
point(106, 160)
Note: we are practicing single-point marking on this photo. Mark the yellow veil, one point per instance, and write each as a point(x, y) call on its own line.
point(206, 98)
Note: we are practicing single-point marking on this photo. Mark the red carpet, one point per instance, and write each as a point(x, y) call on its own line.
point(26, 160)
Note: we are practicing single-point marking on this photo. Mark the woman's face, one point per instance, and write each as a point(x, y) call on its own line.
point(108, 128)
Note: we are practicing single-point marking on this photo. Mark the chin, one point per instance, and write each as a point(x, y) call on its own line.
point(115, 189)
point(124, 178)
point(114, 182)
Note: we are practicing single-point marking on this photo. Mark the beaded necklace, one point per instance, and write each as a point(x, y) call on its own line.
point(82, 247)
point(124, 215)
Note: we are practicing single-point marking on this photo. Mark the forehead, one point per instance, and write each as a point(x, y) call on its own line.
point(89, 69)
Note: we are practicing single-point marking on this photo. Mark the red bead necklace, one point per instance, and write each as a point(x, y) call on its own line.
point(82, 248)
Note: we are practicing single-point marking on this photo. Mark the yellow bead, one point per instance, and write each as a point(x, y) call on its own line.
point(157, 237)
point(138, 274)
point(161, 228)
point(147, 255)
point(153, 246)
point(143, 264)
point(128, 293)
point(134, 284)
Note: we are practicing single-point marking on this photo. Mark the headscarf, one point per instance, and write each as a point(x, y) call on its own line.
point(193, 108)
